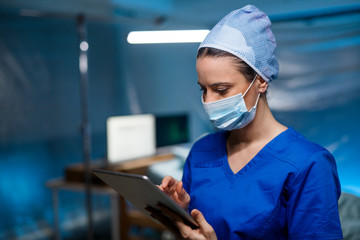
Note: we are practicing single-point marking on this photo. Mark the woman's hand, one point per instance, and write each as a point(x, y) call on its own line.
point(183, 231)
point(175, 190)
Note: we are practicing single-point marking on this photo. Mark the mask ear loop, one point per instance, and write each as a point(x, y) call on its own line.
point(250, 85)
point(257, 100)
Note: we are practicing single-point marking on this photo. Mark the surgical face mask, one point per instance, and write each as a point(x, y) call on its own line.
point(230, 113)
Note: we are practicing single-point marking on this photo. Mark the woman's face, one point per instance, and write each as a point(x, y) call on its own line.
point(219, 78)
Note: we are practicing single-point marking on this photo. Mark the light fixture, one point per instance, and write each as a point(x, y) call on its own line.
point(166, 36)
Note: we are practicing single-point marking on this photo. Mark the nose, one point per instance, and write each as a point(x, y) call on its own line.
point(207, 98)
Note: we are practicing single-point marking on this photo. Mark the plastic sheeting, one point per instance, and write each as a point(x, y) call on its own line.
point(319, 63)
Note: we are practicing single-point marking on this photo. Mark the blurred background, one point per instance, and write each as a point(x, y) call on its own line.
point(317, 92)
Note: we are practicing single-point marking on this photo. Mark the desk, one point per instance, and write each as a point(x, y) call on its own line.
point(125, 218)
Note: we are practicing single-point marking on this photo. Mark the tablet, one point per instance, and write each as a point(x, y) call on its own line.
point(142, 193)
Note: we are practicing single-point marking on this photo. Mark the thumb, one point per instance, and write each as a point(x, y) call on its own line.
point(205, 227)
point(200, 219)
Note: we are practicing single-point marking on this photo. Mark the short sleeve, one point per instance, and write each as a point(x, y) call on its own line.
point(312, 203)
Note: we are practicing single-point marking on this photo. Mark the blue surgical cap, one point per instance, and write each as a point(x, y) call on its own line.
point(246, 33)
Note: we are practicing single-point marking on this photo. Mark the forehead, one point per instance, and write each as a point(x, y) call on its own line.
point(218, 69)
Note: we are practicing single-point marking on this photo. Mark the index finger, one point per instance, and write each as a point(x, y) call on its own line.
point(168, 182)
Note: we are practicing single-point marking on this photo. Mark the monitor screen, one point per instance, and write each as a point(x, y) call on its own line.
point(171, 129)
point(130, 137)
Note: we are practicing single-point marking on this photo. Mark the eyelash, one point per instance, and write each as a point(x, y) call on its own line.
point(219, 91)
point(222, 91)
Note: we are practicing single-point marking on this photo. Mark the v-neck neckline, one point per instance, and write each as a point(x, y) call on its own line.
point(252, 163)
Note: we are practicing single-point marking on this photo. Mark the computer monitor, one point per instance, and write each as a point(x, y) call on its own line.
point(172, 129)
point(130, 137)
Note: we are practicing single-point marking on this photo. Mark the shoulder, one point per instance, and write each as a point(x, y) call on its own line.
point(208, 150)
point(298, 151)
point(309, 159)
point(209, 142)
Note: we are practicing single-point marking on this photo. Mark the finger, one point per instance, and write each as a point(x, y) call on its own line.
point(164, 183)
point(174, 222)
point(182, 194)
point(184, 230)
point(167, 182)
point(167, 222)
point(200, 219)
point(167, 190)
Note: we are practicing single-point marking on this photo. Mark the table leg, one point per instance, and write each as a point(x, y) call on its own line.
point(55, 195)
point(115, 225)
point(124, 225)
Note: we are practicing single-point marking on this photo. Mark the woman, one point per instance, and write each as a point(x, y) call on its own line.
point(255, 178)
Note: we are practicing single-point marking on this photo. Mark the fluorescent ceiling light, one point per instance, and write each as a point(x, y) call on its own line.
point(171, 36)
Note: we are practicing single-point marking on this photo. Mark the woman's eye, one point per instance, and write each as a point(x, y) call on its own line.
point(222, 90)
point(203, 89)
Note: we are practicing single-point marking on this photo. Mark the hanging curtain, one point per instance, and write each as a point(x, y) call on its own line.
point(319, 63)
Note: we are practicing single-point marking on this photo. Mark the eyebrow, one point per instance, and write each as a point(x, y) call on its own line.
point(217, 84)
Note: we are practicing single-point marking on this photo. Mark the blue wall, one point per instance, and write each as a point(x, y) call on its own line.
point(40, 112)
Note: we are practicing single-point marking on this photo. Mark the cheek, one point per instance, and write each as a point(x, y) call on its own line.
point(235, 90)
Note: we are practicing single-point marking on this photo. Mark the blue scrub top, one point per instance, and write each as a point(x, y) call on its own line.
point(289, 190)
